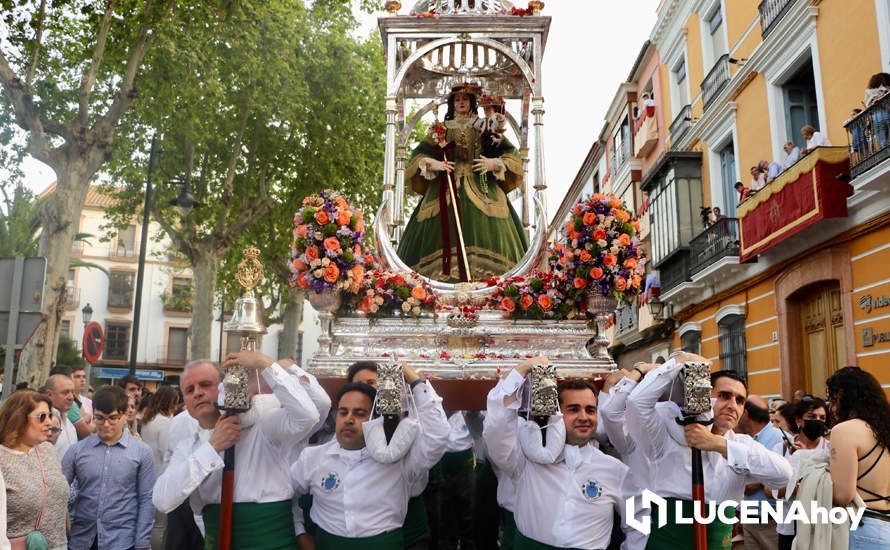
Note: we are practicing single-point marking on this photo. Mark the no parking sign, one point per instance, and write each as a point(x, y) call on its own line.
point(93, 342)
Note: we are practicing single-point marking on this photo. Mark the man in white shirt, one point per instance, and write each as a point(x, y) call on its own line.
point(730, 460)
point(793, 152)
point(60, 390)
point(358, 502)
point(611, 410)
point(265, 517)
point(570, 501)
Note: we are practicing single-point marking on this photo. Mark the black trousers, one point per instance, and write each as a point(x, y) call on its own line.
point(182, 532)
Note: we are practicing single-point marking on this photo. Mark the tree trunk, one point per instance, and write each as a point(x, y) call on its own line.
point(60, 218)
point(204, 266)
point(290, 342)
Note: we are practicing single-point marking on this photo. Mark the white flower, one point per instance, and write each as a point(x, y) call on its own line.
point(416, 310)
point(602, 243)
point(325, 262)
point(378, 300)
point(315, 263)
point(319, 273)
point(374, 308)
point(406, 307)
point(614, 249)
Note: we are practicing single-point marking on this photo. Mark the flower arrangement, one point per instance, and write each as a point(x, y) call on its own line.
point(389, 292)
point(541, 295)
point(601, 251)
point(327, 251)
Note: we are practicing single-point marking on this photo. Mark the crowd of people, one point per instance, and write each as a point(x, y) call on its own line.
point(76, 474)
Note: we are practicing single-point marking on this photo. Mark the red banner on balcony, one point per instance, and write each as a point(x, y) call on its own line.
point(804, 194)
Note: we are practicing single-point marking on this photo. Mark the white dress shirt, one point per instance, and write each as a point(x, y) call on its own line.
point(459, 439)
point(569, 503)
point(818, 140)
point(355, 496)
point(261, 455)
point(611, 407)
point(671, 461)
point(154, 434)
point(67, 437)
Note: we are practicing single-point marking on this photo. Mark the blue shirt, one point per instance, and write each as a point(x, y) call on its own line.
point(114, 493)
point(769, 437)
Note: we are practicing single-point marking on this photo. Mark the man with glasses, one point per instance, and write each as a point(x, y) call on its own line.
point(730, 460)
point(114, 473)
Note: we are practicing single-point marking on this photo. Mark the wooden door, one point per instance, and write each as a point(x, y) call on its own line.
point(822, 335)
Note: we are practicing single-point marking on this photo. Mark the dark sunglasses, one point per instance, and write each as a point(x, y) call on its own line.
point(41, 417)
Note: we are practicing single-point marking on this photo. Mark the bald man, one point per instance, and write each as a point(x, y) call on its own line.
point(755, 422)
point(60, 390)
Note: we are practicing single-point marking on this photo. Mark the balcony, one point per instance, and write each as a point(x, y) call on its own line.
point(680, 126)
point(645, 132)
point(674, 271)
point(177, 302)
point(806, 193)
point(715, 251)
point(625, 320)
point(716, 80)
point(120, 251)
point(173, 355)
point(868, 136)
point(72, 297)
point(771, 11)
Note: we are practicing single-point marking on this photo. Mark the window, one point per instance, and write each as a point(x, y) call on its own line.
point(126, 242)
point(621, 145)
point(691, 341)
point(728, 178)
point(680, 87)
point(70, 295)
point(117, 341)
point(801, 107)
point(715, 28)
point(177, 345)
point(181, 287)
point(65, 329)
point(732, 344)
point(120, 289)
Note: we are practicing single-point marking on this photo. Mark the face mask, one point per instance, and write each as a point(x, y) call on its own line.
point(813, 429)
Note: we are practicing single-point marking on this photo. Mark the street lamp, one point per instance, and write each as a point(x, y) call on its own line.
point(184, 203)
point(87, 314)
point(655, 306)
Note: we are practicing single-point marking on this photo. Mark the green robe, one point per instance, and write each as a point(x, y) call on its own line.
point(492, 232)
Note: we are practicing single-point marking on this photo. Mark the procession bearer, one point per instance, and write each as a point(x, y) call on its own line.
point(263, 514)
point(730, 460)
point(358, 502)
point(569, 501)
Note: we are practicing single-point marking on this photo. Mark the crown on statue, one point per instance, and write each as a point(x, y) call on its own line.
point(491, 100)
point(466, 88)
point(250, 270)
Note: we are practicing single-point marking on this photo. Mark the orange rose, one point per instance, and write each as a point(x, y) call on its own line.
point(620, 215)
point(636, 225)
point(580, 282)
point(545, 301)
point(312, 253)
point(360, 227)
point(365, 304)
point(589, 218)
point(596, 273)
point(418, 293)
point(343, 217)
point(357, 272)
point(357, 250)
point(331, 273)
point(301, 280)
point(609, 260)
point(624, 239)
point(576, 210)
point(599, 235)
point(526, 301)
point(332, 243)
point(585, 256)
point(630, 263)
point(369, 259)
point(574, 234)
point(300, 265)
point(322, 218)
point(340, 202)
point(635, 281)
point(507, 304)
point(570, 226)
point(302, 230)
point(620, 283)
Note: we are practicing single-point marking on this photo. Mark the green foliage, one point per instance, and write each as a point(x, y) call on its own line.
point(18, 222)
point(68, 353)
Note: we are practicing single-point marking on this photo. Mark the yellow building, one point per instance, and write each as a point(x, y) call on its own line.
point(791, 284)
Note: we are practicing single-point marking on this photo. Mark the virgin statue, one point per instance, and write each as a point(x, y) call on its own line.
point(481, 166)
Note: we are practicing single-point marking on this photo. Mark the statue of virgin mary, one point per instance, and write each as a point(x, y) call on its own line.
point(481, 166)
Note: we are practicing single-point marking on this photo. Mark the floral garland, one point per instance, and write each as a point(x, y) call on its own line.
point(386, 293)
point(601, 252)
point(327, 249)
point(540, 296)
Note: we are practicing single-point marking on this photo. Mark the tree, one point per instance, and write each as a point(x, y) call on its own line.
point(68, 73)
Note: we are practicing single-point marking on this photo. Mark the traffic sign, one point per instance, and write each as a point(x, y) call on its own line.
point(93, 342)
point(141, 374)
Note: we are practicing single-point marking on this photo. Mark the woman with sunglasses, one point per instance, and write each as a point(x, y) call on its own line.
point(36, 490)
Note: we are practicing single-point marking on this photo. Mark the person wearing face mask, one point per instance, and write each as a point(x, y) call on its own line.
point(358, 500)
point(730, 460)
point(264, 517)
point(571, 483)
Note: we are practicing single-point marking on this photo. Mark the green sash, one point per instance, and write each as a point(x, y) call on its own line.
point(508, 542)
point(416, 523)
point(673, 536)
point(391, 540)
point(522, 542)
point(255, 525)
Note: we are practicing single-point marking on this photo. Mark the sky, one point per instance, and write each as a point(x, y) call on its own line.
point(590, 50)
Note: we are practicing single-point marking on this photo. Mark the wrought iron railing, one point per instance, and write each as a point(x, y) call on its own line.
point(715, 81)
point(868, 136)
point(771, 11)
point(117, 250)
point(717, 241)
point(173, 355)
point(681, 124)
point(72, 296)
point(626, 319)
point(674, 271)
